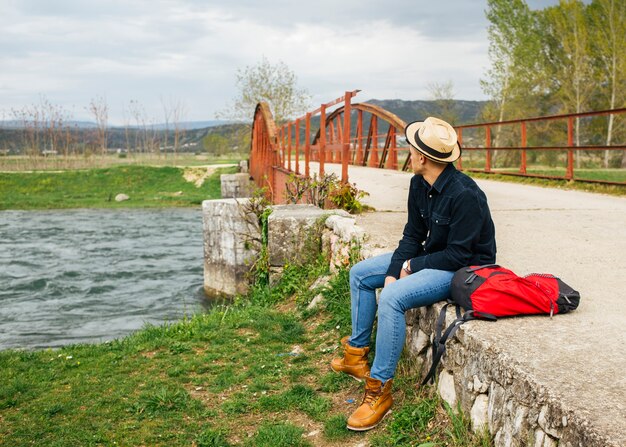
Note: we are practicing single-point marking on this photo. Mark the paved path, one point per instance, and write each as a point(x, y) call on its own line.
point(580, 237)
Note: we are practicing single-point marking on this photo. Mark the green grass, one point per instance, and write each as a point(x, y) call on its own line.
point(607, 175)
point(615, 190)
point(224, 378)
point(96, 188)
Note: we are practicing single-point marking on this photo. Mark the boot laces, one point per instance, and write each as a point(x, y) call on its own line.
point(371, 396)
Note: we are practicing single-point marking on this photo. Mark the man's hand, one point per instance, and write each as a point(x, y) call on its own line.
point(389, 280)
point(403, 273)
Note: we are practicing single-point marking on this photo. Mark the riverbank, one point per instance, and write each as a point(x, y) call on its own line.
point(146, 186)
point(252, 373)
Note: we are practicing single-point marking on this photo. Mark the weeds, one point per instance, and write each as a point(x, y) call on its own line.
point(325, 192)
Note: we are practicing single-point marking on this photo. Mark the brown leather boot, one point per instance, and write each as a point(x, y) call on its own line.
point(375, 405)
point(353, 362)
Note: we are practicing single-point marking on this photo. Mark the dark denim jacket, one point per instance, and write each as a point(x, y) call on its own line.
point(449, 225)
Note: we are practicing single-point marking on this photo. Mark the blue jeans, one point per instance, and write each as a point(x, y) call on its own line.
point(422, 288)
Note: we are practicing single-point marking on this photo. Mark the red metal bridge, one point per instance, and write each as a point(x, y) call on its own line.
point(278, 151)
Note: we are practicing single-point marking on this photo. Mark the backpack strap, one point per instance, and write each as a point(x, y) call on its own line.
point(439, 339)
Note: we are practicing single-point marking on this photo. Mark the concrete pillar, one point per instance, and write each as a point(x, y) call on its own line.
point(236, 186)
point(228, 253)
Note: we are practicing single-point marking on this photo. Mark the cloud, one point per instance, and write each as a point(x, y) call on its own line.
point(72, 50)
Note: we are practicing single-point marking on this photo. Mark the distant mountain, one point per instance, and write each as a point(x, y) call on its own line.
point(468, 112)
point(14, 124)
point(186, 125)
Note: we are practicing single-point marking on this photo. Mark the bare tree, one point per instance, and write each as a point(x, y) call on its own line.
point(100, 111)
point(442, 93)
point(179, 112)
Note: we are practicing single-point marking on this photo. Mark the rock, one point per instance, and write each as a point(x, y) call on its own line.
point(121, 197)
point(544, 440)
point(344, 227)
point(496, 407)
point(297, 350)
point(243, 166)
point(478, 414)
point(315, 301)
point(320, 282)
point(446, 388)
point(479, 386)
point(418, 342)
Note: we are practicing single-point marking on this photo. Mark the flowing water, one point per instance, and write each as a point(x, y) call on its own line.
point(93, 275)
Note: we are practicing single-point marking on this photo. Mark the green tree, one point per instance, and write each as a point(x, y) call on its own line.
point(572, 65)
point(215, 144)
point(514, 78)
point(608, 31)
point(275, 84)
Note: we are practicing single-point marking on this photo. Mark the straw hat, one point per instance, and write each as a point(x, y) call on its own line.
point(434, 138)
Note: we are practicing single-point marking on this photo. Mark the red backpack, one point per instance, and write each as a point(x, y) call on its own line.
point(490, 291)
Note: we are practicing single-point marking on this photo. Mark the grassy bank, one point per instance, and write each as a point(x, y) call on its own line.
point(56, 163)
point(615, 190)
point(253, 373)
point(146, 186)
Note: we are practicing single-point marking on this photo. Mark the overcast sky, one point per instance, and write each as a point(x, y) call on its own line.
point(155, 51)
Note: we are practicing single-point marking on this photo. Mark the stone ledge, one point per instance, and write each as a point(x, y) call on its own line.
point(495, 389)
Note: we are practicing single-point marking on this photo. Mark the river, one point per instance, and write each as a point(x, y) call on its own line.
point(86, 276)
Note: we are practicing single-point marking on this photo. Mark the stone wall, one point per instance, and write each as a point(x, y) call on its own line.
point(492, 389)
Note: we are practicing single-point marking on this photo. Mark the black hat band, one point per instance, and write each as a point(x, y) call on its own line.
point(429, 150)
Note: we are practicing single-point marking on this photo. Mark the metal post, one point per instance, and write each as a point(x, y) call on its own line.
point(569, 175)
point(282, 146)
point(289, 145)
point(522, 168)
point(359, 138)
point(488, 148)
point(297, 146)
point(345, 154)
point(307, 143)
point(322, 139)
point(373, 158)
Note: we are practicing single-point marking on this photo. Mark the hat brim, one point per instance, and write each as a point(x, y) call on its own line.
point(411, 130)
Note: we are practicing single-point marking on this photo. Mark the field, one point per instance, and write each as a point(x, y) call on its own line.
point(56, 163)
point(146, 186)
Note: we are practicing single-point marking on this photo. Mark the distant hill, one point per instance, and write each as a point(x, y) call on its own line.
point(185, 125)
point(467, 111)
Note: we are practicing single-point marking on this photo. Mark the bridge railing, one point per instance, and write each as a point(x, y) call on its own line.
point(555, 151)
point(377, 140)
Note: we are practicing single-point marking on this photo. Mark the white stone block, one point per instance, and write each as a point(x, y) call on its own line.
point(446, 388)
point(478, 413)
point(236, 186)
point(418, 342)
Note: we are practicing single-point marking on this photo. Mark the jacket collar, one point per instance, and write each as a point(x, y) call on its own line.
point(443, 178)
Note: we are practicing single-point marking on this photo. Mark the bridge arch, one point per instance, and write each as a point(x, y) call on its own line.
point(364, 148)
